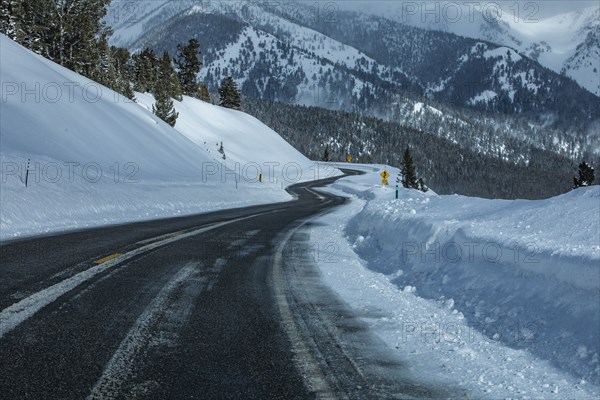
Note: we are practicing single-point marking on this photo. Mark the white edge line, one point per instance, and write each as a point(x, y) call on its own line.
point(16, 314)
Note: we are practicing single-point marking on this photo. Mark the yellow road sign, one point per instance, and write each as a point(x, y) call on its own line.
point(385, 175)
point(384, 182)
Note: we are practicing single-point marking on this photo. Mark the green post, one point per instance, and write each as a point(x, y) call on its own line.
point(396, 192)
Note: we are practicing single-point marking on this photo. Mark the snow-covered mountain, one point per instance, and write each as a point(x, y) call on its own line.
point(96, 158)
point(360, 63)
point(567, 43)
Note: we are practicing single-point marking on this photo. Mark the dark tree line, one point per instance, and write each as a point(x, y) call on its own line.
point(445, 165)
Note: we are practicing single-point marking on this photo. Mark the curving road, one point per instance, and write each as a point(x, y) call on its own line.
point(220, 305)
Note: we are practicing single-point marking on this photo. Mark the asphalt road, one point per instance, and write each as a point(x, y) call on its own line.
point(226, 305)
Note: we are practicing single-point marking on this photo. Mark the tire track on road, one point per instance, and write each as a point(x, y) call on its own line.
point(154, 327)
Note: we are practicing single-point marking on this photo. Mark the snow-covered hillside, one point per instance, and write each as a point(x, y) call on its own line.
point(98, 158)
point(499, 297)
point(250, 148)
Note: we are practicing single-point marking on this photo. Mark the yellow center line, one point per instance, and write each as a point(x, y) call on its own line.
point(105, 259)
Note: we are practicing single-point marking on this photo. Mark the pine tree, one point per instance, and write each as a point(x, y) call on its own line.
point(77, 30)
point(204, 93)
point(34, 24)
point(145, 71)
point(67, 32)
point(421, 186)
point(166, 86)
point(586, 176)
point(105, 71)
point(122, 64)
point(168, 76)
point(409, 175)
point(189, 66)
point(229, 94)
point(164, 108)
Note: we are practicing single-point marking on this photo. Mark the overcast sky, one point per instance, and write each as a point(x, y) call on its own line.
point(545, 8)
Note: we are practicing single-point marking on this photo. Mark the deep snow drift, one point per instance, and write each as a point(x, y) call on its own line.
point(98, 158)
point(501, 297)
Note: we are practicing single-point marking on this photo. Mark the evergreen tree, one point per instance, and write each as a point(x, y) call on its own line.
point(145, 71)
point(326, 156)
point(168, 77)
point(164, 108)
point(67, 32)
point(421, 186)
point(105, 72)
point(122, 63)
point(229, 94)
point(586, 176)
point(189, 66)
point(34, 24)
point(203, 93)
point(127, 90)
point(409, 175)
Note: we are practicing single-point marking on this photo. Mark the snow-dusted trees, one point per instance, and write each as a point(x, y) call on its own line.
point(72, 33)
point(189, 65)
point(7, 18)
point(145, 67)
point(586, 176)
point(229, 94)
point(121, 63)
point(67, 32)
point(153, 74)
point(113, 69)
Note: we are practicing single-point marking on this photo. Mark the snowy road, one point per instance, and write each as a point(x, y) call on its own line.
point(222, 305)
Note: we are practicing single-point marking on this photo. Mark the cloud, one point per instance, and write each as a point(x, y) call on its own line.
point(538, 9)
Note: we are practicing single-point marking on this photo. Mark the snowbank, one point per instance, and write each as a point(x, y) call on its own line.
point(523, 275)
point(97, 158)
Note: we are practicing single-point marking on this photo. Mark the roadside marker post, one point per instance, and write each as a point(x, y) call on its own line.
point(27, 173)
point(396, 191)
